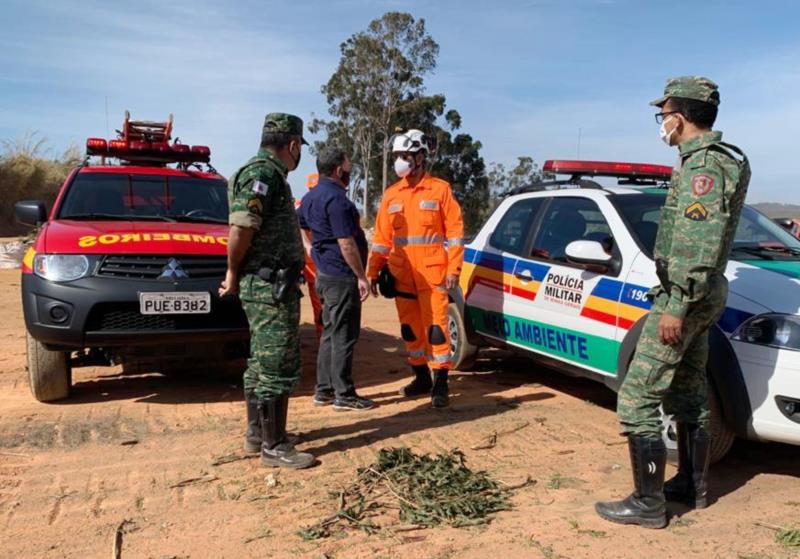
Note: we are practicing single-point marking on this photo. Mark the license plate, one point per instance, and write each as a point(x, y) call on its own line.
point(198, 302)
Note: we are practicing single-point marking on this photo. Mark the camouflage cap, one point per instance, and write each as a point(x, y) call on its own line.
point(283, 123)
point(690, 87)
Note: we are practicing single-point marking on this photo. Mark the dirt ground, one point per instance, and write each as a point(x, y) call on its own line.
point(123, 447)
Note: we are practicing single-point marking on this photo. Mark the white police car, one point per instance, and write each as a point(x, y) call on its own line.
point(561, 269)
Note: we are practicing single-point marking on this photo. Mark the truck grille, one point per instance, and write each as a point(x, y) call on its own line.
point(125, 317)
point(151, 267)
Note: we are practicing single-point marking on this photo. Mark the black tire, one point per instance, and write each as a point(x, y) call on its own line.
point(463, 352)
point(49, 372)
point(722, 436)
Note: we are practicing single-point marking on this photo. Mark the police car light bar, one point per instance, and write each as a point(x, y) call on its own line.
point(607, 169)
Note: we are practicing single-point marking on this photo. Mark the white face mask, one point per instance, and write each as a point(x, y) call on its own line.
point(402, 167)
point(665, 136)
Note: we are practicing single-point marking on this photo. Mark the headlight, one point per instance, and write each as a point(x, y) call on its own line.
point(60, 267)
point(774, 330)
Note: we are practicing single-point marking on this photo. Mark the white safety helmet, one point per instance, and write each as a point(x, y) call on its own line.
point(412, 141)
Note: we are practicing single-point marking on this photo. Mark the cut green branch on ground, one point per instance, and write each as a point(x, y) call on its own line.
point(784, 536)
point(585, 532)
point(425, 490)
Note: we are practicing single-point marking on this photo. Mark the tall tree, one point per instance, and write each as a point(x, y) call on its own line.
point(502, 181)
point(379, 70)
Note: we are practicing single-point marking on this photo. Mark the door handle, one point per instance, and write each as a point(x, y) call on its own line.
point(524, 276)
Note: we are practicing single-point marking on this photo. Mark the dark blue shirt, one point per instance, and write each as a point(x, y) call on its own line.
point(330, 215)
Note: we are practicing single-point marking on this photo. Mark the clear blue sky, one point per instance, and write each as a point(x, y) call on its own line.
point(526, 77)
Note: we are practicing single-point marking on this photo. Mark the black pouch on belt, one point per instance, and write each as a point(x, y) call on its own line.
point(283, 280)
point(386, 285)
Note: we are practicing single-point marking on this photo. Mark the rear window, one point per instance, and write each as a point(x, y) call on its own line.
point(130, 196)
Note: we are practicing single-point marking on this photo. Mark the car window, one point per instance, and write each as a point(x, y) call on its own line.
point(512, 232)
point(130, 196)
point(643, 213)
point(566, 220)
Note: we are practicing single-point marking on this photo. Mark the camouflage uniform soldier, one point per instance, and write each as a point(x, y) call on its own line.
point(698, 223)
point(265, 258)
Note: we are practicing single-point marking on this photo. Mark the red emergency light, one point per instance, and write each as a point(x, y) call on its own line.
point(147, 142)
point(96, 143)
point(607, 169)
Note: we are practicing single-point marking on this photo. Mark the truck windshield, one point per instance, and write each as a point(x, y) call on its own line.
point(130, 197)
point(756, 237)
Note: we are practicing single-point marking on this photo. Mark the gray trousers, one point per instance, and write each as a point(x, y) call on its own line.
point(341, 323)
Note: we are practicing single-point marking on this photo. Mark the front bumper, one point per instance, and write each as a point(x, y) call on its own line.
point(772, 377)
point(104, 312)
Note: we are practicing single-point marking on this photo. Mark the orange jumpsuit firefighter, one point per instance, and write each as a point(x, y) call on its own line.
point(309, 269)
point(417, 216)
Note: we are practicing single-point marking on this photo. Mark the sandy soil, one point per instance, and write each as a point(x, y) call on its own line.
point(71, 472)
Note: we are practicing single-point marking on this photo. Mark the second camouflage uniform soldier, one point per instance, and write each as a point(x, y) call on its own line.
point(694, 238)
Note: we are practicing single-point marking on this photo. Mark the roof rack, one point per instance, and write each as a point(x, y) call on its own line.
point(145, 131)
point(143, 142)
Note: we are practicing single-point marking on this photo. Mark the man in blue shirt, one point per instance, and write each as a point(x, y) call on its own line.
point(339, 250)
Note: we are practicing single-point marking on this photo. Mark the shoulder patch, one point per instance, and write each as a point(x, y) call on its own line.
point(696, 212)
point(260, 188)
point(255, 206)
point(702, 184)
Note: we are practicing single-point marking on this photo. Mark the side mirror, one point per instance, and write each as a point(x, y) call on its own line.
point(784, 222)
point(590, 254)
point(30, 212)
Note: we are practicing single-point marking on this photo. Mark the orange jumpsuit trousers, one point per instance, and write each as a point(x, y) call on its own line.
point(310, 269)
point(411, 229)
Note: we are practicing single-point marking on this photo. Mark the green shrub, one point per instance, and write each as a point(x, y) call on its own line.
point(26, 173)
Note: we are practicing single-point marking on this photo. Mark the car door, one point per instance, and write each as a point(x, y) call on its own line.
point(492, 266)
point(562, 309)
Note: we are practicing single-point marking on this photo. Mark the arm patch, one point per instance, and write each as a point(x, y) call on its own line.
point(260, 188)
point(702, 184)
point(696, 212)
point(255, 206)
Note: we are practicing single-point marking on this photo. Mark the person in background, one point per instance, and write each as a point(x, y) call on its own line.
point(310, 269)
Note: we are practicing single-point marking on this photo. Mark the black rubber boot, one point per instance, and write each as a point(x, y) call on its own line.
point(645, 506)
point(421, 384)
point(276, 450)
point(689, 486)
point(440, 395)
point(252, 436)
